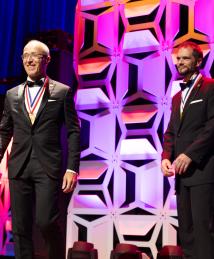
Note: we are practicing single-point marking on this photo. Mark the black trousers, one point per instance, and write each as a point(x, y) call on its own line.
point(33, 188)
point(195, 205)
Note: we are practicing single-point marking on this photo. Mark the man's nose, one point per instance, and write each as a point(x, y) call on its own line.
point(30, 59)
point(180, 62)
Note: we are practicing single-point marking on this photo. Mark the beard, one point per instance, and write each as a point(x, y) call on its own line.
point(186, 71)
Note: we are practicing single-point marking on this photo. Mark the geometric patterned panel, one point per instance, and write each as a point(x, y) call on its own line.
point(125, 66)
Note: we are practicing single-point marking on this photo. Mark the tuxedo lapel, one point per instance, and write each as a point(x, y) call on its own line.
point(192, 96)
point(177, 108)
point(21, 102)
point(47, 93)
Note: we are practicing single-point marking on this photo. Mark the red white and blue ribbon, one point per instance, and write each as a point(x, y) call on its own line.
point(34, 103)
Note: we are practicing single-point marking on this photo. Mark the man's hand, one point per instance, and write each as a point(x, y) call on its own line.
point(181, 163)
point(69, 182)
point(167, 168)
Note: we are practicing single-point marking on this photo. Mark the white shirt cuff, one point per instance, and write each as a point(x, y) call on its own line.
point(71, 171)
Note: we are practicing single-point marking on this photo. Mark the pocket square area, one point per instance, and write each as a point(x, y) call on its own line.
point(197, 101)
point(51, 100)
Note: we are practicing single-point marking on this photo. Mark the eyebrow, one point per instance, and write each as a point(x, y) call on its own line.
point(183, 57)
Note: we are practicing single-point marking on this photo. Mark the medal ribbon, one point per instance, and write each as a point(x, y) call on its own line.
point(184, 99)
point(31, 105)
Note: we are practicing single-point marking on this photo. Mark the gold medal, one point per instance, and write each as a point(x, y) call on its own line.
point(32, 105)
point(32, 117)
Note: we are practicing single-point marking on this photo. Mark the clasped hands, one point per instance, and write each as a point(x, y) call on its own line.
point(179, 166)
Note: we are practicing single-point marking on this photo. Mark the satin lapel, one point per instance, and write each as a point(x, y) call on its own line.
point(21, 101)
point(45, 98)
point(177, 108)
point(192, 96)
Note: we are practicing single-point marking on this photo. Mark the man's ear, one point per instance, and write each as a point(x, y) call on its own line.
point(48, 59)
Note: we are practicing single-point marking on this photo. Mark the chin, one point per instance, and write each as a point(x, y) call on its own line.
point(32, 75)
point(183, 73)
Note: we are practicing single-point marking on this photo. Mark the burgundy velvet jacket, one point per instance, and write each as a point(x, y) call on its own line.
point(193, 133)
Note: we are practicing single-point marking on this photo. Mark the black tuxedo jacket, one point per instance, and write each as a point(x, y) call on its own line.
point(57, 107)
point(193, 133)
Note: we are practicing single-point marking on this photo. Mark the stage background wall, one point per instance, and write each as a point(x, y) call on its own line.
point(124, 62)
point(22, 19)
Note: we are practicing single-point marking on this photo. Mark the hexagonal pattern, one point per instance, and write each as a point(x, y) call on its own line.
point(125, 64)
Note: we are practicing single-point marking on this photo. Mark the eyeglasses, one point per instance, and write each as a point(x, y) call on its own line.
point(34, 56)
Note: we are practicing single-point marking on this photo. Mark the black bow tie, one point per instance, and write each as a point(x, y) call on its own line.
point(186, 85)
point(35, 83)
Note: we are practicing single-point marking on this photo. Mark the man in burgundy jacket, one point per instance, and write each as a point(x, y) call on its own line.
point(188, 152)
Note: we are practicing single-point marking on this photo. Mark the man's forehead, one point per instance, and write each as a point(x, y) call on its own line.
point(33, 47)
point(185, 51)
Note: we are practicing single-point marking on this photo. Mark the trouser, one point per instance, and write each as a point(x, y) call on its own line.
point(34, 188)
point(195, 205)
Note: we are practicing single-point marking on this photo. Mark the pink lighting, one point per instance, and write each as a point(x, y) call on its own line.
point(105, 34)
point(8, 225)
point(140, 8)
point(139, 40)
point(88, 201)
point(92, 170)
point(138, 148)
point(138, 114)
point(135, 225)
point(92, 97)
point(90, 2)
point(93, 66)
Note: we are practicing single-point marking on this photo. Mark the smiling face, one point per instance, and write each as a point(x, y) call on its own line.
point(187, 64)
point(35, 59)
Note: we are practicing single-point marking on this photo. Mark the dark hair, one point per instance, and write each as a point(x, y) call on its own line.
point(197, 52)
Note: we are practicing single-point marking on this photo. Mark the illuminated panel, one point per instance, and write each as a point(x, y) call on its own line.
point(151, 194)
point(90, 2)
point(138, 114)
point(139, 148)
point(88, 201)
point(139, 9)
point(139, 39)
point(93, 66)
point(105, 34)
point(135, 225)
point(92, 170)
point(175, 88)
point(93, 96)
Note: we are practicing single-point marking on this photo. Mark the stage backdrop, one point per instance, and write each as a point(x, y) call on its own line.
point(126, 76)
point(124, 61)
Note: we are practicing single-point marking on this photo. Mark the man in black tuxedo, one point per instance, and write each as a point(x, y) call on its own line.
point(33, 115)
point(188, 152)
